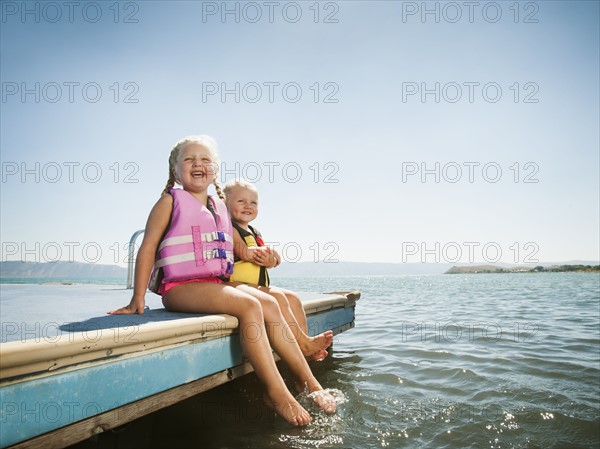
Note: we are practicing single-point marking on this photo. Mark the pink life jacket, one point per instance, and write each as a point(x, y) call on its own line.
point(195, 245)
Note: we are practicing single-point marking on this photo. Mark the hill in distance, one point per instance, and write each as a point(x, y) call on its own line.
point(60, 269)
point(475, 269)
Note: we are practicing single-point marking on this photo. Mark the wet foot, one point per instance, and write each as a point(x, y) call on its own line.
point(314, 345)
point(317, 356)
point(288, 408)
point(324, 400)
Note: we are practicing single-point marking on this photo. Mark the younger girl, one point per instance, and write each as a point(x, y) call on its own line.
point(188, 288)
point(252, 258)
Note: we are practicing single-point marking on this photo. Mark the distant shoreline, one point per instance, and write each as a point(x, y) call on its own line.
point(487, 269)
point(11, 271)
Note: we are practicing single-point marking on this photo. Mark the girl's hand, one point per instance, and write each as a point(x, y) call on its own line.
point(264, 257)
point(135, 306)
point(250, 253)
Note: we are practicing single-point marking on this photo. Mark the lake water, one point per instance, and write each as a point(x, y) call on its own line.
point(439, 361)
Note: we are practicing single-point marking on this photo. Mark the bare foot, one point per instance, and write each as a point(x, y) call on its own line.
point(288, 408)
point(317, 356)
point(312, 345)
point(324, 400)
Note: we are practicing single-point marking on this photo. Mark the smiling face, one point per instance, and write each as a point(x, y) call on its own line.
point(242, 204)
point(195, 169)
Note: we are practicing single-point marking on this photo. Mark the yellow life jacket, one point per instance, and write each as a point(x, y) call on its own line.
point(249, 272)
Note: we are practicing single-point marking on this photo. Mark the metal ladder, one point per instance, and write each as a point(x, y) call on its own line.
point(130, 259)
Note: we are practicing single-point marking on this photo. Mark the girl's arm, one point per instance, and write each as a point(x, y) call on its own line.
point(157, 223)
point(277, 258)
point(240, 249)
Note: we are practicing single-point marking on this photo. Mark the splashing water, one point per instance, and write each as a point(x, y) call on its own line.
point(325, 429)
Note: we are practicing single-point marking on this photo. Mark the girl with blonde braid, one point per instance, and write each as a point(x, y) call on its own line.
point(193, 164)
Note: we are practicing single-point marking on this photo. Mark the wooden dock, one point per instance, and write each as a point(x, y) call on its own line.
point(68, 371)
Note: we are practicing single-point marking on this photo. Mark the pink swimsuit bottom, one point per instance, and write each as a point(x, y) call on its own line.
point(166, 286)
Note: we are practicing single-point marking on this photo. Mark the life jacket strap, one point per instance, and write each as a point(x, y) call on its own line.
point(217, 253)
point(216, 236)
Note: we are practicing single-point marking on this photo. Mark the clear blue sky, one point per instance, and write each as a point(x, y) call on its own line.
point(516, 87)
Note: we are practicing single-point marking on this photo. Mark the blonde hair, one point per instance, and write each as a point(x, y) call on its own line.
point(207, 142)
point(230, 185)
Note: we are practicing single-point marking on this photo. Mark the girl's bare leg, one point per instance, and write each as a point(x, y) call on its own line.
point(296, 306)
point(324, 338)
point(293, 312)
point(218, 298)
point(285, 344)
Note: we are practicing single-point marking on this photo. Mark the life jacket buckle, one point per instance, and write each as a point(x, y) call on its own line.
point(218, 236)
point(219, 253)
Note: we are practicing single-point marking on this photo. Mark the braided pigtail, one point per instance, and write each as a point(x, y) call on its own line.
point(170, 183)
point(218, 189)
point(172, 162)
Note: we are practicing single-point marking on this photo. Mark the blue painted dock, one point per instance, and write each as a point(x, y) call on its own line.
point(69, 371)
